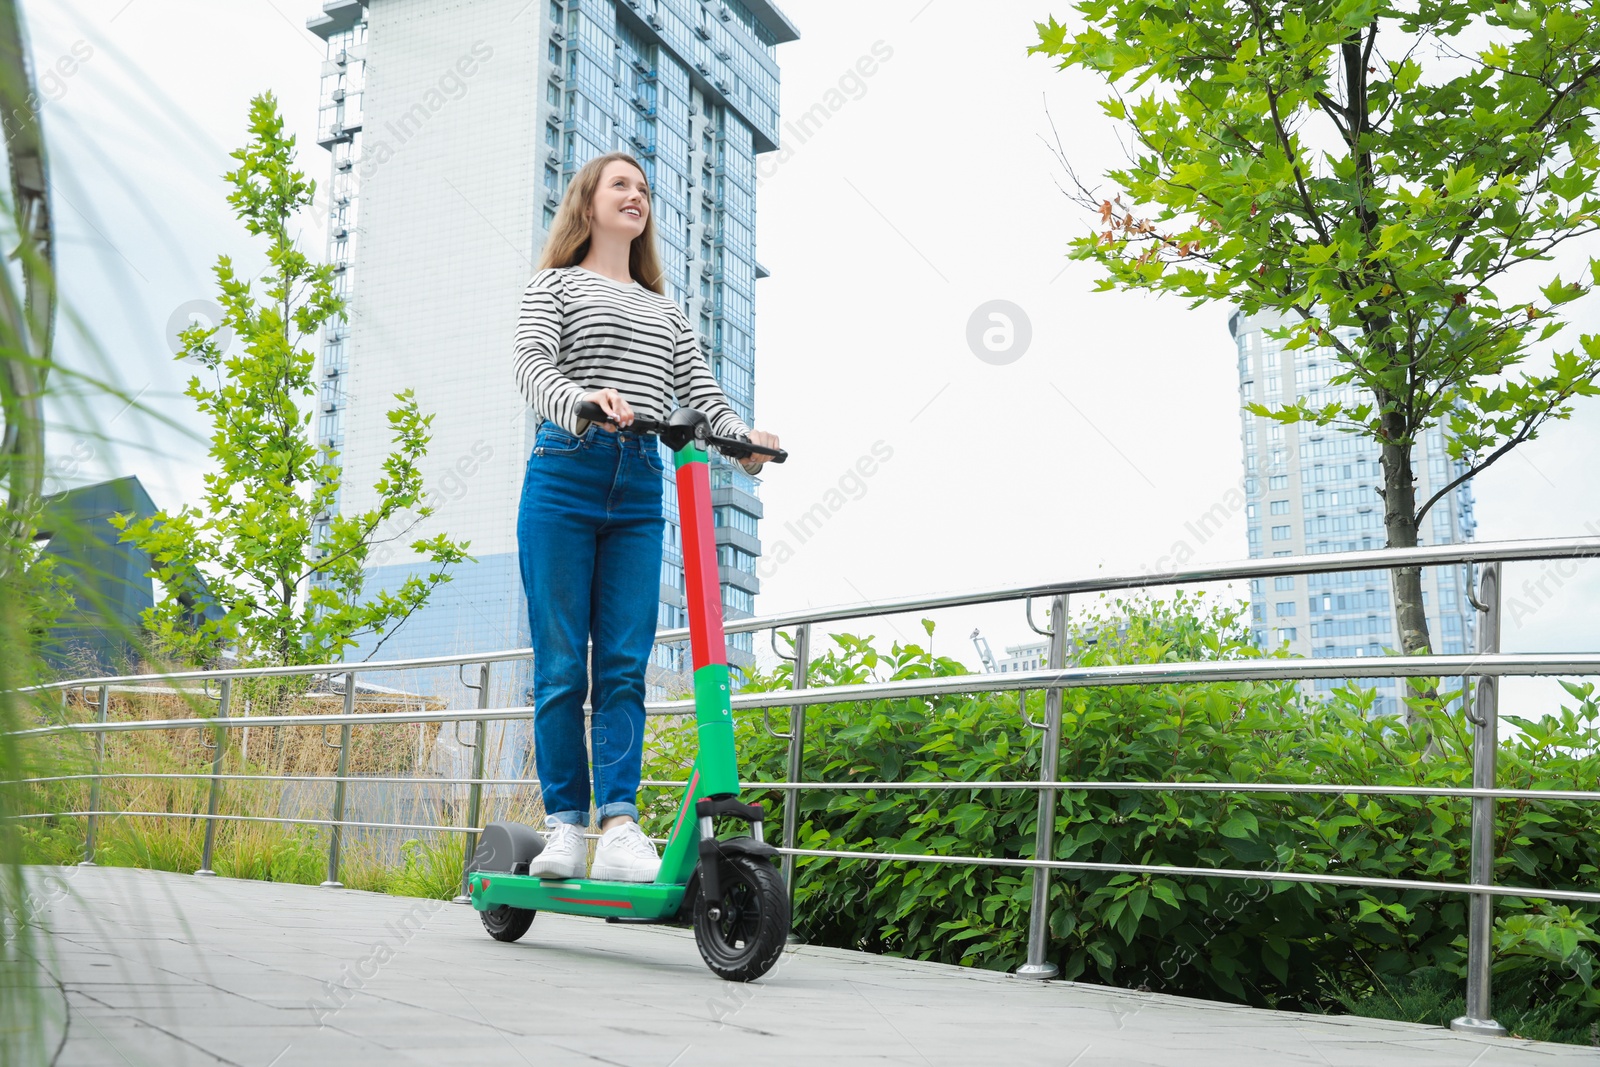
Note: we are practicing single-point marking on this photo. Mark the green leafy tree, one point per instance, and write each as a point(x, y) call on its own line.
point(1300, 158)
point(248, 568)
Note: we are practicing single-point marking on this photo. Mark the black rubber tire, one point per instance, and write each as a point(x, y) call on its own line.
point(506, 923)
point(748, 938)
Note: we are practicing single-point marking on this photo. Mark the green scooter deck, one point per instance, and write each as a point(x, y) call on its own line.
point(575, 896)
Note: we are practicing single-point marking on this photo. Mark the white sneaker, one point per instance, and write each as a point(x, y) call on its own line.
point(565, 851)
point(625, 855)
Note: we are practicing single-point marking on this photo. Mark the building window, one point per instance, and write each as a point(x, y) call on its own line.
point(549, 218)
point(1282, 583)
point(1280, 507)
point(552, 94)
point(1278, 481)
point(1284, 607)
point(729, 556)
point(734, 518)
point(1280, 533)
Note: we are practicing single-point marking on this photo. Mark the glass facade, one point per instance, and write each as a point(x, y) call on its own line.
point(1311, 490)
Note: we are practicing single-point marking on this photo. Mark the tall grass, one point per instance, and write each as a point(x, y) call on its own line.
point(169, 836)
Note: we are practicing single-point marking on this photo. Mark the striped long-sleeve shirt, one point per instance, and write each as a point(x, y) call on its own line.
point(579, 331)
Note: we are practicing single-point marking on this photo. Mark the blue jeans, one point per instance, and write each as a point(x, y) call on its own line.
point(589, 537)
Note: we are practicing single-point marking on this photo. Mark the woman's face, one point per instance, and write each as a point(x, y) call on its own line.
point(621, 201)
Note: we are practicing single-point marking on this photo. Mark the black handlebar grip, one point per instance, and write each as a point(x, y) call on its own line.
point(588, 409)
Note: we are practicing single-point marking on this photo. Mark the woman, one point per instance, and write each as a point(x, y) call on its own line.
point(595, 326)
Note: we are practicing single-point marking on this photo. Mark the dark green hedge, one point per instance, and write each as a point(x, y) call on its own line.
point(1265, 943)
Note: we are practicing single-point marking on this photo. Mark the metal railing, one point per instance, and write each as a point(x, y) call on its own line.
point(1487, 665)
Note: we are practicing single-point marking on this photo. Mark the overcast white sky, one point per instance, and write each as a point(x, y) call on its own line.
point(931, 192)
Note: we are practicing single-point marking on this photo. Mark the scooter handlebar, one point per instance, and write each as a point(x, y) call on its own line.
point(732, 447)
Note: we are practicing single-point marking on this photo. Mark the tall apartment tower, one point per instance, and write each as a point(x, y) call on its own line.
point(455, 128)
point(1311, 490)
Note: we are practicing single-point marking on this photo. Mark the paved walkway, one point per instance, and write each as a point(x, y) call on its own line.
point(166, 969)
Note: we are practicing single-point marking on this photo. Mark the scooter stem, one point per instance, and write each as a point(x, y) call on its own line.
point(717, 764)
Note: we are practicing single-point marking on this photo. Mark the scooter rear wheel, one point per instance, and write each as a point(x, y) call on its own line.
point(506, 923)
point(746, 936)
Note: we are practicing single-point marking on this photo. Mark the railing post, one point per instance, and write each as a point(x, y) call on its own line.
point(1479, 1018)
point(94, 782)
point(338, 787)
point(1044, 837)
point(216, 784)
point(797, 754)
point(475, 790)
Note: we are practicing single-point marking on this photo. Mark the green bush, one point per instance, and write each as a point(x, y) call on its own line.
point(1276, 944)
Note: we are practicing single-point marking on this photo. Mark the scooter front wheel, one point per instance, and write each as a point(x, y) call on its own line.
point(506, 923)
point(741, 936)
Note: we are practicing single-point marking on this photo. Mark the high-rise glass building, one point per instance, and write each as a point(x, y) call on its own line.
point(455, 127)
point(1310, 489)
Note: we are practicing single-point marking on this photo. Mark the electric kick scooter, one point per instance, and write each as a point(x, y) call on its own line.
point(726, 888)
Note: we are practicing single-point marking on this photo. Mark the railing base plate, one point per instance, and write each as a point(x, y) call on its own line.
point(205, 872)
point(331, 885)
point(1482, 1027)
point(1037, 971)
point(462, 899)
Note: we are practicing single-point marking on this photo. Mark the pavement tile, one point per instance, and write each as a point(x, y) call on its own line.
point(169, 969)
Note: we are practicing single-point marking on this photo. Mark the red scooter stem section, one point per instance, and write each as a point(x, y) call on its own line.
point(702, 590)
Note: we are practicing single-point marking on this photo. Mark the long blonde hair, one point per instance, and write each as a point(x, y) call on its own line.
point(569, 234)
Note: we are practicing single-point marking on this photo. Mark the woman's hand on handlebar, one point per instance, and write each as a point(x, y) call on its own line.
point(765, 440)
point(612, 404)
